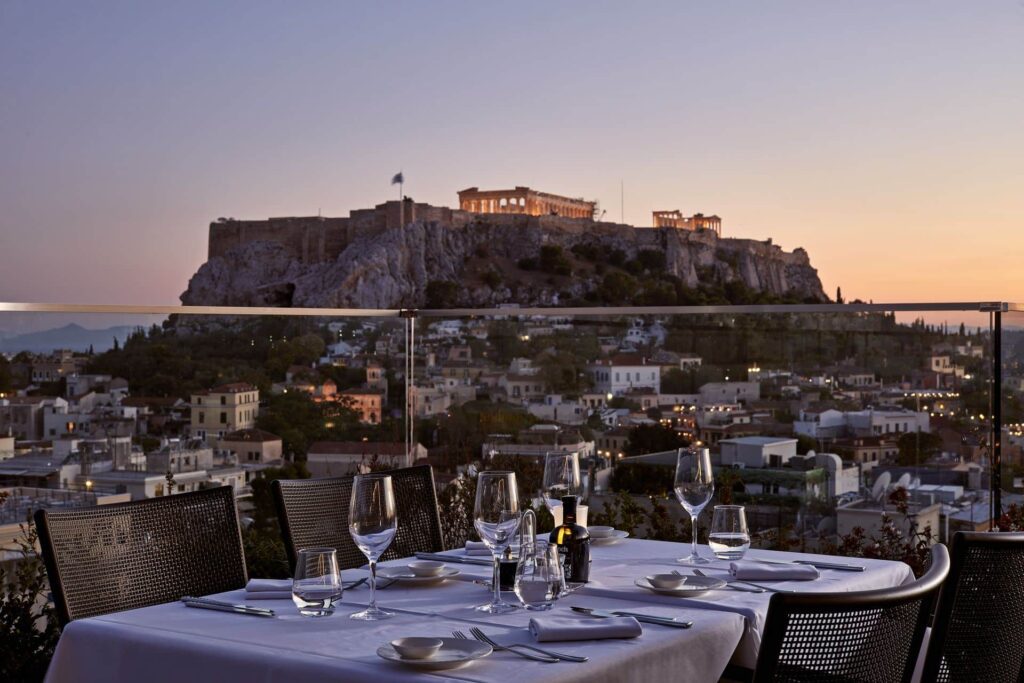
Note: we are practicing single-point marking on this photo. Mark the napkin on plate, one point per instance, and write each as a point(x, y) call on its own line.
point(268, 589)
point(752, 570)
point(477, 548)
point(550, 629)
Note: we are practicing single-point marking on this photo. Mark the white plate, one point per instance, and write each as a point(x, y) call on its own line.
point(454, 653)
point(693, 585)
point(405, 575)
point(611, 539)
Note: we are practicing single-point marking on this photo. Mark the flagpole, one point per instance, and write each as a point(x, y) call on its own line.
point(401, 200)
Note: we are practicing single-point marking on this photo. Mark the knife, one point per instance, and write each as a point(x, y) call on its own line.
point(479, 561)
point(646, 618)
point(816, 563)
point(206, 603)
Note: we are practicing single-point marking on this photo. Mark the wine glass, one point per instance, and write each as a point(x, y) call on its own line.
point(561, 478)
point(317, 583)
point(372, 523)
point(496, 519)
point(694, 486)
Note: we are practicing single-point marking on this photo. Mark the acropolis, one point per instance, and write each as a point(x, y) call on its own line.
point(316, 239)
point(524, 200)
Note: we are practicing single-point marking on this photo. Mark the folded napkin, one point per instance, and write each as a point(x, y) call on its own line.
point(551, 629)
point(268, 589)
point(477, 548)
point(753, 570)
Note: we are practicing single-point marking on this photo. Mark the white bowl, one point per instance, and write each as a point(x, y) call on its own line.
point(600, 531)
point(426, 567)
point(666, 581)
point(417, 648)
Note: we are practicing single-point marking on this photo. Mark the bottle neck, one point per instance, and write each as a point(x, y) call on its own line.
point(569, 510)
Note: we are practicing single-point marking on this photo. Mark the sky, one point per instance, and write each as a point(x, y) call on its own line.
point(885, 138)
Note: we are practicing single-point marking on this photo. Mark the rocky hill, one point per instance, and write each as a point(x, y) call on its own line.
point(542, 261)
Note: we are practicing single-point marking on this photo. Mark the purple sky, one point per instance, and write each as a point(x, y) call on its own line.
point(884, 137)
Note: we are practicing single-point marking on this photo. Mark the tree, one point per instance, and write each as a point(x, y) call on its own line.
point(839, 295)
point(6, 379)
point(653, 439)
point(552, 260)
point(442, 294)
point(917, 447)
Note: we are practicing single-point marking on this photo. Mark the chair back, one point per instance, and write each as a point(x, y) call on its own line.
point(978, 633)
point(314, 513)
point(857, 636)
point(110, 558)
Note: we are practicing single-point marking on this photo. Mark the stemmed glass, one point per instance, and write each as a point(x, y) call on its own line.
point(496, 519)
point(694, 486)
point(561, 478)
point(372, 523)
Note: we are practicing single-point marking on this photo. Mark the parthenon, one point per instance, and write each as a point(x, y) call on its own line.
point(698, 221)
point(526, 201)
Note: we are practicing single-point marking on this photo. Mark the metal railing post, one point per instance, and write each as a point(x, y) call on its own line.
point(997, 416)
point(410, 371)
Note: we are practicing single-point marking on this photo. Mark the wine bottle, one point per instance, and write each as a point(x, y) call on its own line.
point(573, 543)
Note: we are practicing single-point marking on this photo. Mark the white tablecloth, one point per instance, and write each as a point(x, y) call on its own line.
point(175, 643)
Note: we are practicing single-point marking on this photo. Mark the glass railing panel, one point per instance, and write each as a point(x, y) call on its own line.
point(845, 433)
point(105, 407)
point(1011, 397)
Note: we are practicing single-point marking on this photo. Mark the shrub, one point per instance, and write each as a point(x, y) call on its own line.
point(527, 263)
point(492, 279)
point(651, 259)
point(28, 622)
point(442, 294)
point(553, 260)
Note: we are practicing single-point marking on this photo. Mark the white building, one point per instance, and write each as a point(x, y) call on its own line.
point(555, 408)
point(729, 392)
point(622, 372)
point(830, 424)
point(757, 452)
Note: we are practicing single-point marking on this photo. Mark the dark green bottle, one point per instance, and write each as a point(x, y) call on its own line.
point(573, 543)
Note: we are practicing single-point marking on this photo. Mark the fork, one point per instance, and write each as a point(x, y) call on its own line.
point(521, 653)
point(483, 637)
point(742, 589)
point(760, 587)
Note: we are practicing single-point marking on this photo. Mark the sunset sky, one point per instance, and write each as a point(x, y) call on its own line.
point(886, 138)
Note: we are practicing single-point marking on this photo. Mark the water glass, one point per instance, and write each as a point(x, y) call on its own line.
point(372, 522)
point(729, 538)
point(316, 587)
point(539, 576)
point(694, 486)
point(496, 520)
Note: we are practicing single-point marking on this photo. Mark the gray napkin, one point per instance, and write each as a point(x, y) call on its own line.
point(752, 570)
point(550, 629)
point(268, 589)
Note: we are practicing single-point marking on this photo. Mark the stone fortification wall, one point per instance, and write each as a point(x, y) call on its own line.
point(315, 239)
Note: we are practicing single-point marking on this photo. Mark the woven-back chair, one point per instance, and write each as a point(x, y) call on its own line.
point(314, 513)
point(867, 636)
point(978, 632)
point(110, 558)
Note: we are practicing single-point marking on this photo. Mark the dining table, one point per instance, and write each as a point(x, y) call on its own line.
point(172, 642)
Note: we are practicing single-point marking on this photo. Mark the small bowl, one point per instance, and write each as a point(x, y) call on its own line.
point(600, 531)
point(417, 648)
point(426, 568)
point(666, 581)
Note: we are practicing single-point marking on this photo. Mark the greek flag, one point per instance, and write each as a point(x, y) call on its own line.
point(398, 179)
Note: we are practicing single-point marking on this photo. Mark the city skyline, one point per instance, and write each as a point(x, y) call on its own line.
point(857, 133)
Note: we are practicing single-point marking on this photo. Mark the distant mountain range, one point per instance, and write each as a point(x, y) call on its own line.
point(71, 336)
